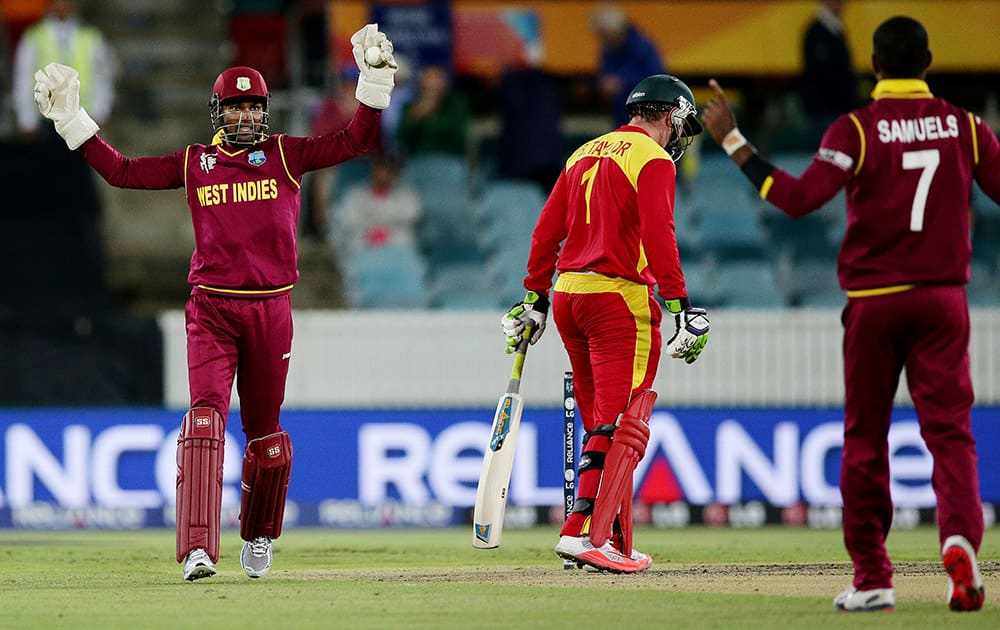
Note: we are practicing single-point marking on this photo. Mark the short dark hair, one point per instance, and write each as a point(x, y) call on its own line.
point(900, 47)
point(648, 111)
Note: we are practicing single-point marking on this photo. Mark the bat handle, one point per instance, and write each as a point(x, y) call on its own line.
point(518, 367)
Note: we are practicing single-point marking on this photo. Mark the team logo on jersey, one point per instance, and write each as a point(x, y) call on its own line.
point(243, 83)
point(208, 162)
point(256, 158)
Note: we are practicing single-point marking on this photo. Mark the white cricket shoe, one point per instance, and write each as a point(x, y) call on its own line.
point(876, 599)
point(198, 565)
point(965, 584)
point(256, 556)
point(606, 558)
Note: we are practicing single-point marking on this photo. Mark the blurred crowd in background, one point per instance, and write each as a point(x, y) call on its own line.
point(440, 215)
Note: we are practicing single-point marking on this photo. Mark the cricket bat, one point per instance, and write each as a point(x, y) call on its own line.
point(494, 479)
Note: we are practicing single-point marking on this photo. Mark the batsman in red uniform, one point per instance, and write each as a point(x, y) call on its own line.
point(608, 229)
point(907, 160)
point(243, 194)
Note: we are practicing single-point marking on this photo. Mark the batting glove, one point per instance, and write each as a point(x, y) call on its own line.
point(690, 330)
point(57, 94)
point(376, 81)
point(532, 311)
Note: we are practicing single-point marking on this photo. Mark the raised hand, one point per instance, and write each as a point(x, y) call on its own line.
point(717, 116)
point(376, 81)
point(57, 91)
point(57, 94)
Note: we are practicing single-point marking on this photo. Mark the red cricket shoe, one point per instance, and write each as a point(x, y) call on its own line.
point(604, 558)
point(965, 584)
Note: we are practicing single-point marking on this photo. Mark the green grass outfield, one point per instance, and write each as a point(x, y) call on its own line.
point(701, 578)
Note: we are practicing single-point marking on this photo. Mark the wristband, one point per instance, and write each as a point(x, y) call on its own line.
point(757, 170)
point(676, 305)
point(733, 141)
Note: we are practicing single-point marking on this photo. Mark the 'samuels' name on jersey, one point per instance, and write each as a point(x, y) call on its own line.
point(917, 129)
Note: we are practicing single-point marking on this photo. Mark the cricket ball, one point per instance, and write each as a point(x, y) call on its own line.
point(373, 57)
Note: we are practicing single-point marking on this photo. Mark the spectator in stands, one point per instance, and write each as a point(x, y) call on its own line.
point(828, 85)
point(530, 115)
point(436, 120)
point(402, 94)
point(908, 161)
point(627, 56)
point(379, 212)
point(62, 37)
point(333, 114)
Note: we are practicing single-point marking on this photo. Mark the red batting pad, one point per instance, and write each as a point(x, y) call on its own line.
point(627, 447)
point(267, 465)
point(200, 449)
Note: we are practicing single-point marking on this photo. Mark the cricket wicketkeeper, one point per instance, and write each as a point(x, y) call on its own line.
point(243, 193)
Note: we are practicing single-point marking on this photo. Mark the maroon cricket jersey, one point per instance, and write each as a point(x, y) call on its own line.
point(908, 160)
point(244, 202)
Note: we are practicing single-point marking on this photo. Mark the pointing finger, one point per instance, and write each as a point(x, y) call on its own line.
point(717, 89)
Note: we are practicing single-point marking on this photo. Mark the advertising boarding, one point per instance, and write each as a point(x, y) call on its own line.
point(115, 468)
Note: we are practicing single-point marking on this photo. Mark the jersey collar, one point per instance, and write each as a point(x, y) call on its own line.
point(901, 88)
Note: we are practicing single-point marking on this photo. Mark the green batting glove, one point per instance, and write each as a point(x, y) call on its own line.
point(532, 311)
point(690, 330)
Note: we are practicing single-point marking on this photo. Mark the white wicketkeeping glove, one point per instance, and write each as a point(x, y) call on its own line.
point(376, 82)
point(57, 94)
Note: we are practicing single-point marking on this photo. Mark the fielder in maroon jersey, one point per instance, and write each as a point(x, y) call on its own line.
point(908, 161)
point(608, 228)
point(243, 193)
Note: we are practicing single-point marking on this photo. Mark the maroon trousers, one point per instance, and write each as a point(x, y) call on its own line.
point(925, 330)
point(246, 339)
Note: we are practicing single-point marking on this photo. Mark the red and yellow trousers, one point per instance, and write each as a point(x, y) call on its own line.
point(611, 330)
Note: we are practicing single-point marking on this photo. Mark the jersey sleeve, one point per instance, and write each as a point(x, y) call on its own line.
point(655, 195)
point(986, 153)
point(145, 173)
point(838, 158)
point(302, 155)
point(550, 230)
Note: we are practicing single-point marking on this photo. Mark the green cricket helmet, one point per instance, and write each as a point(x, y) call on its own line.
point(663, 92)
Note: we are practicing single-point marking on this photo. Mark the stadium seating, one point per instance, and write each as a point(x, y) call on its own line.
point(736, 249)
point(386, 277)
point(508, 210)
point(808, 281)
point(347, 174)
point(447, 230)
point(464, 287)
point(506, 269)
point(743, 284)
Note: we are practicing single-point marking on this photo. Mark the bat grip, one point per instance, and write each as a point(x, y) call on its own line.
point(522, 350)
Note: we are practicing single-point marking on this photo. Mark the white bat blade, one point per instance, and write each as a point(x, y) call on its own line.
point(491, 495)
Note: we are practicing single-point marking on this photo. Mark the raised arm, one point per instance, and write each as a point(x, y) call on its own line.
point(57, 94)
point(795, 196)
